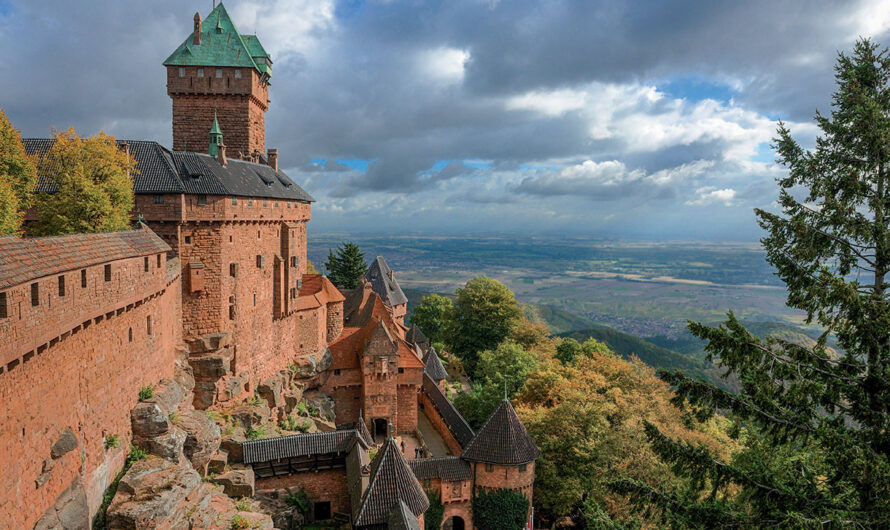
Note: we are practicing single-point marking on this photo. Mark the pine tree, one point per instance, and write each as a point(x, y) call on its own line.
point(94, 186)
point(347, 266)
point(18, 178)
point(817, 424)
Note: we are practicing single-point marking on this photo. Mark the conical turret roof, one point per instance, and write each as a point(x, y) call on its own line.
point(503, 440)
point(392, 481)
point(432, 366)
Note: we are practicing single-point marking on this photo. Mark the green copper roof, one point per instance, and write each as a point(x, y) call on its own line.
point(221, 45)
point(215, 129)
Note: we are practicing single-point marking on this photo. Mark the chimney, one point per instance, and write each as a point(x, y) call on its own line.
point(272, 156)
point(221, 154)
point(196, 37)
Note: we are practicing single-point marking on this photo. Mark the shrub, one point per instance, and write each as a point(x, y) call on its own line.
point(256, 433)
point(255, 401)
point(289, 423)
point(303, 408)
point(502, 509)
point(174, 417)
point(135, 454)
point(432, 518)
point(243, 505)
point(111, 441)
point(299, 500)
point(240, 523)
point(146, 392)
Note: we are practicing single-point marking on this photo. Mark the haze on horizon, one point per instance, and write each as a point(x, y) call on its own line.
point(610, 118)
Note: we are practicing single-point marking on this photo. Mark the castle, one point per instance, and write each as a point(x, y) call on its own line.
point(209, 300)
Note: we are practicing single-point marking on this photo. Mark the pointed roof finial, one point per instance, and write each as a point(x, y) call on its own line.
point(216, 137)
point(391, 431)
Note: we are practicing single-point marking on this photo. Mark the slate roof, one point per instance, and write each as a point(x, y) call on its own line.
point(162, 171)
point(415, 336)
point(401, 518)
point(221, 45)
point(502, 440)
point(296, 445)
point(359, 426)
point(383, 282)
point(432, 366)
point(446, 468)
point(391, 481)
point(456, 423)
point(25, 259)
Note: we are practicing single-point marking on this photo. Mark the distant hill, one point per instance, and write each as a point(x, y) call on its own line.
point(556, 320)
point(690, 345)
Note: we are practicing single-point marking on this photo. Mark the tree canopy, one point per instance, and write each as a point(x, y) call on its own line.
point(94, 186)
point(484, 314)
point(18, 178)
point(818, 453)
point(346, 266)
point(431, 315)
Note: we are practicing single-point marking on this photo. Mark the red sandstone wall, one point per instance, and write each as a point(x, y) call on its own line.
point(87, 383)
point(432, 413)
point(321, 486)
point(406, 421)
point(506, 477)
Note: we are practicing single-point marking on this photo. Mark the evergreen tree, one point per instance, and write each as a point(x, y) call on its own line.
point(817, 424)
point(94, 186)
point(18, 178)
point(347, 266)
point(484, 314)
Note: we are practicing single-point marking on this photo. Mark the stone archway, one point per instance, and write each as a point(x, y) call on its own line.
point(380, 429)
point(453, 523)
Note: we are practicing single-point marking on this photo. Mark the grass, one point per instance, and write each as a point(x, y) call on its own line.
point(146, 392)
point(240, 523)
point(255, 401)
point(243, 505)
point(256, 433)
point(112, 441)
point(174, 417)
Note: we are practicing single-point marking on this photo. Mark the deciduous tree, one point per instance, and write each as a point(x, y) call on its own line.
point(93, 181)
point(431, 316)
point(18, 178)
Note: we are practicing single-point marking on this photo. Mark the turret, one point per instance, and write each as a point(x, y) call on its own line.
point(216, 137)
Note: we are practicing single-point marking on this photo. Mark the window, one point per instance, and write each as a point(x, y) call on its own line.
point(145, 264)
point(202, 200)
point(265, 202)
point(260, 261)
point(4, 312)
point(182, 72)
point(200, 72)
point(231, 312)
point(275, 204)
point(257, 234)
point(489, 468)
point(401, 370)
point(219, 73)
point(35, 294)
point(131, 334)
point(188, 240)
point(336, 371)
point(108, 273)
point(288, 204)
point(158, 199)
point(159, 261)
point(61, 286)
point(522, 468)
point(237, 74)
point(250, 202)
point(293, 292)
point(322, 510)
point(254, 299)
point(293, 261)
point(234, 201)
point(83, 278)
point(148, 324)
point(233, 270)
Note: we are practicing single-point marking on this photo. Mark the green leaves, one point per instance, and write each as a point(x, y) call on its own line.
point(18, 178)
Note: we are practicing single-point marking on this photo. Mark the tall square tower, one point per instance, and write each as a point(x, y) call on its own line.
point(219, 70)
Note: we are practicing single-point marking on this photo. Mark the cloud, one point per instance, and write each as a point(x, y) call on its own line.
point(443, 64)
point(708, 195)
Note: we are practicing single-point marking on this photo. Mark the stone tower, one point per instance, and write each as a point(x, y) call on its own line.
point(219, 70)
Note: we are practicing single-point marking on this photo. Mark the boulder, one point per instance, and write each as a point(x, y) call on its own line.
point(249, 416)
point(168, 395)
point(202, 437)
point(156, 493)
point(324, 403)
point(324, 425)
point(204, 394)
point(312, 365)
point(239, 482)
point(45, 471)
point(69, 512)
point(231, 444)
point(218, 461)
point(168, 445)
point(182, 374)
point(213, 366)
point(149, 420)
point(292, 398)
point(66, 443)
point(234, 386)
point(210, 342)
point(283, 516)
point(272, 390)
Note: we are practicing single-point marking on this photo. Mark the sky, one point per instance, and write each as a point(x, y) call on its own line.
point(614, 118)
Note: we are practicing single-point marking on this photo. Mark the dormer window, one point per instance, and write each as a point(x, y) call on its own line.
point(202, 200)
point(219, 73)
point(200, 72)
point(181, 72)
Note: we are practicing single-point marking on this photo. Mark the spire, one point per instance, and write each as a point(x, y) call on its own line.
point(216, 137)
point(391, 482)
point(503, 440)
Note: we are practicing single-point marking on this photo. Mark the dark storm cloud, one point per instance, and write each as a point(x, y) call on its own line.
point(363, 88)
